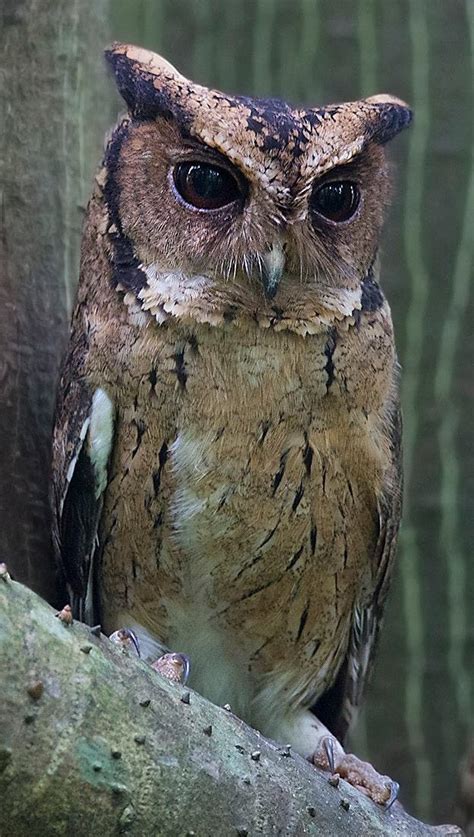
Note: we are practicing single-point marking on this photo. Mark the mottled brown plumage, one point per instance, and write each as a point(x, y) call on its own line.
point(227, 443)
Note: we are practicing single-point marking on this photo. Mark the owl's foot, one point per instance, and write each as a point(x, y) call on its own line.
point(174, 667)
point(330, 756)
point(127, 641)
point(312, 739)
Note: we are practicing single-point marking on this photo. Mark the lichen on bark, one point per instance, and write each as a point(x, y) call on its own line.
point(95, 742)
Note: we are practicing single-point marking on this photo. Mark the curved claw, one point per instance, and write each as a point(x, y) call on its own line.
point(328, 746)
point(134, 639)
point(126, 638)
point(174, 666)
point(360, 774)
point(186, 668)
point(394, 791)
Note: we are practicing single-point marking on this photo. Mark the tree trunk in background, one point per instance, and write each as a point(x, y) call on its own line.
point(416, 719)
point(52, 121)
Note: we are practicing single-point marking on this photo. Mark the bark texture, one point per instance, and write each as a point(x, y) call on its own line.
point(93, 742)
point(51, 132)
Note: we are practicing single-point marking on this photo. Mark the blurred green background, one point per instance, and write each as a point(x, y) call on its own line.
point(420, 708)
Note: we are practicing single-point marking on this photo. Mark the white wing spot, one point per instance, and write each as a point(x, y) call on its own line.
point(100, 437)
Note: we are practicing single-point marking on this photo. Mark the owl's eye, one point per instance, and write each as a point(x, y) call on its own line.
point(205, 186)
point(337, 201)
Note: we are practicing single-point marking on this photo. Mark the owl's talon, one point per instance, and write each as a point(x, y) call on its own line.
point(360, 774)
point(394, 791)
point(186, 668)
point(174, 666)
point(328, 754)
point(127, 641)
point(328, 745)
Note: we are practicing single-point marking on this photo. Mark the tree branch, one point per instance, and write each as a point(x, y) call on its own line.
point(94, 742)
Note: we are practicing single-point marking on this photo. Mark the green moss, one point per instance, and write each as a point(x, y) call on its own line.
point(96, 764)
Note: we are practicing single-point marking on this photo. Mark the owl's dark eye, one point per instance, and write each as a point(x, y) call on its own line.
point(205, 186)
point(337, 200)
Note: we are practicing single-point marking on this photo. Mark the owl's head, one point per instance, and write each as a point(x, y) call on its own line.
point(226, 207)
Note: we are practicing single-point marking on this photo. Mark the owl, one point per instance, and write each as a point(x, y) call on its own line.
point(226, 468)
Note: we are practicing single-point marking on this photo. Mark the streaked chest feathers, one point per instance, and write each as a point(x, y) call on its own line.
point(242, 509)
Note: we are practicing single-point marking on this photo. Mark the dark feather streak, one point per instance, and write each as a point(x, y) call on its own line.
point(308, 458)
point(279, 474)
point(298, 497)
point(329, 352)
point(303, 619)
point(295, 558)
point(162, 457)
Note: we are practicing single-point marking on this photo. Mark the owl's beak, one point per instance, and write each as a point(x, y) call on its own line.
point(273, 263)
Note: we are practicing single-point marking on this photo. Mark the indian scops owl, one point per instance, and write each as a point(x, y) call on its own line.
point(226, 475)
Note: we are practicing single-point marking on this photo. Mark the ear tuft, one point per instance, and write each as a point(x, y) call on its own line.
point(144, 59)
point(390, 116)
point(145, 80)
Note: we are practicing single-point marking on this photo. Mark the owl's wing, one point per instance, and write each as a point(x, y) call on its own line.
point(338, 707)
point(82, 445)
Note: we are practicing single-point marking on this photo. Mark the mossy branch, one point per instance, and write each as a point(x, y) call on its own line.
point(94, 742)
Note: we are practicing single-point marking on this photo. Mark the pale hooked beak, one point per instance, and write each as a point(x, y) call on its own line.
point(273, 263)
